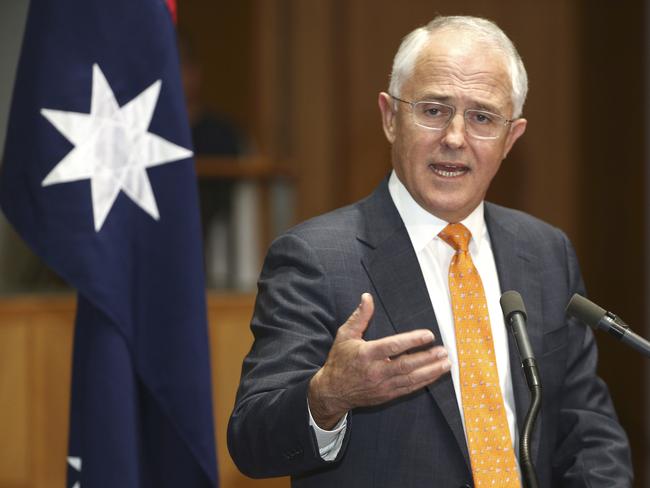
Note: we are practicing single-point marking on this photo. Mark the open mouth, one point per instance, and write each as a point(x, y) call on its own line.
point(449, 170)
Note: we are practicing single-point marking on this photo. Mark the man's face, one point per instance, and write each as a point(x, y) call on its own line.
point(448, 171)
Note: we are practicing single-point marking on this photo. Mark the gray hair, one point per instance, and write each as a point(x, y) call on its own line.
point(484, 29)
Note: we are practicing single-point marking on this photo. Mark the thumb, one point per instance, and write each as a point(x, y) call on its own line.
point(357, 323)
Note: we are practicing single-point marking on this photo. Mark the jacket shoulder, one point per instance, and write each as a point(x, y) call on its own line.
point(521, 222)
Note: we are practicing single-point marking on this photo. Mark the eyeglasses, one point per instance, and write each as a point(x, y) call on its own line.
point(437, 116)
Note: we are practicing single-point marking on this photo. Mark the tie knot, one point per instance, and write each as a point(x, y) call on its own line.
point(457, 236)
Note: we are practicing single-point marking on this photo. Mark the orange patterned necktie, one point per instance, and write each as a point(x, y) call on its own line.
point(488, 437)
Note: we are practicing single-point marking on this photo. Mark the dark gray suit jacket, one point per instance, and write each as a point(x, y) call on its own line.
point(312, 280)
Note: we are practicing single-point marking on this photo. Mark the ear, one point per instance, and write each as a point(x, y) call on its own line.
point(388, 115)
point(517, 130)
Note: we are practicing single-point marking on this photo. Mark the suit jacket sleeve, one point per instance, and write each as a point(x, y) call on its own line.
point(294, 323)
point(592, 448)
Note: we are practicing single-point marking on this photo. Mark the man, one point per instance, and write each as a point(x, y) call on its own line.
point(420, 385)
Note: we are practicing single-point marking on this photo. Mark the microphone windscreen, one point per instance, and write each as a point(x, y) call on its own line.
point(585, 310)
point(512, 302)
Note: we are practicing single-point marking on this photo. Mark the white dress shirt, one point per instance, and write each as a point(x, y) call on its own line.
point(434, 256)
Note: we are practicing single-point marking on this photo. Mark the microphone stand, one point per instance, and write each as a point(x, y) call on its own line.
point(514, 314)
point(598, 318)
point(615, 327)
point(535, 387)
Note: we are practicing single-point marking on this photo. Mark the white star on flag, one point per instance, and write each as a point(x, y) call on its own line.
point(75, 462)
point(113, 148)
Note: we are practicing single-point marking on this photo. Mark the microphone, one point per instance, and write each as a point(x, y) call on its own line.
point(515, 317)
point(598, 318)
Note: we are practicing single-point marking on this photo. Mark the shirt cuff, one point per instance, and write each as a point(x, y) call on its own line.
point(329, 441)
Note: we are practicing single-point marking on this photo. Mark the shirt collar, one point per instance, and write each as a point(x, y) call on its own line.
point(423, 226)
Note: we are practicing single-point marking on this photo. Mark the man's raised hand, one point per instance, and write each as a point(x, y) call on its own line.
point(359, 373)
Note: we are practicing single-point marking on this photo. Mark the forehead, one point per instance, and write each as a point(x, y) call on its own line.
point(458, 67)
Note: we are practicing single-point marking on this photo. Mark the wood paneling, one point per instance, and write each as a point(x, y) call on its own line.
point(15, 461)
point(35, 354)
point(220, 34)
point(612, 205)
point(35, 360)
point(230, 341)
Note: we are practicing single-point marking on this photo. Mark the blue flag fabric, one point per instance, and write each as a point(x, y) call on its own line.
point(98, 178)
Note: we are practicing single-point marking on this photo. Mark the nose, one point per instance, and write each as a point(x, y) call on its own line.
point(454, 135)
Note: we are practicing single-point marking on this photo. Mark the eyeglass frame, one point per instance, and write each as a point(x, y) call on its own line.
point(506, 121)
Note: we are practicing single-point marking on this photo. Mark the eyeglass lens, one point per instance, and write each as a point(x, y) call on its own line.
point(478, 122)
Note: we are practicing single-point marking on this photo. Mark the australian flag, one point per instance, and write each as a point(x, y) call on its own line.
point(98, 178)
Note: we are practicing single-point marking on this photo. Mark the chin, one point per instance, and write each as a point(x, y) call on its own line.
point(450, 212)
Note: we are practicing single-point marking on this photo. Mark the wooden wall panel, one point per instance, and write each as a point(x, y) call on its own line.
point(230, 341)
point(14, 373)
point(35, 360)
point(612, 204)
point(35, 352)
point(51, 354)
point(221, 36)
point(312, 114)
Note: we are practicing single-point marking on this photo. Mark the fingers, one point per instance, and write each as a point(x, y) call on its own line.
point(418, 378)
point(361, 373)
point(407, 363)
point(407, 373)
point(395, 345)
point(357, 323)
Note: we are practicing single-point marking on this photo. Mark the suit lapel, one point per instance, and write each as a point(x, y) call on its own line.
point(519, 271)
point(395, 273)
